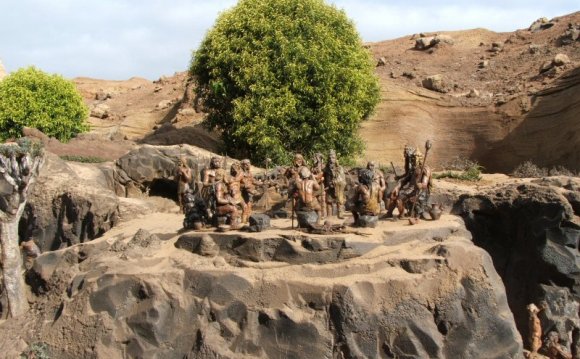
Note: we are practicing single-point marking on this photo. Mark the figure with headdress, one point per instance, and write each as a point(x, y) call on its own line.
point(413, 189)
point(334, 183)
point(318, 175)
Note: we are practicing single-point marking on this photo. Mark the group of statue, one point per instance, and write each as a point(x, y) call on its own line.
point(314, 193)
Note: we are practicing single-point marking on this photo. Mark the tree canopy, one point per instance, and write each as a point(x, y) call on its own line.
point(281, 76)
point(32, 98)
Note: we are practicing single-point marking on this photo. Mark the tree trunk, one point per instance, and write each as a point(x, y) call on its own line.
point(12, 268)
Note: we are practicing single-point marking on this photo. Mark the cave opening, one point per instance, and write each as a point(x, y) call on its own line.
point(163, 187)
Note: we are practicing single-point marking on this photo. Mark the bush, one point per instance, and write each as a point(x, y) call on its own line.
point(529, 169)
point(83, 159)
point(50, 103)
point(471, 173)
point(283, 76)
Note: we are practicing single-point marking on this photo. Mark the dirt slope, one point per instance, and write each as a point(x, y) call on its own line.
point(513, 113)
point(495, 106)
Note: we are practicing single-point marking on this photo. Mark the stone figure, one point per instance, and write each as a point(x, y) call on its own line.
point(210, 178)
point(248, 188)
point(378, 179)
point(366, 199)
point(553, 348)
point(293, 172)
point(183, 176)
point(318, 175)
point(31, 251)
point(334, 184)
point(415, 187)
point(304, 191)
point(196, 216)
point(292, 175)
point(535, 328)
point(209, 174)
point(235, 190)
point(225, 204)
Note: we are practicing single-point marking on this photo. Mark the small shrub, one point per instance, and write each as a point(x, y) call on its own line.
point(32, 98)
point(36, 351)
point(472, 173)
point(459, 163)
point(529, 169)
point(83, 159)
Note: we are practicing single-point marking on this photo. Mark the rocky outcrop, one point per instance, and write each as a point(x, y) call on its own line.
point(532, 232)
point(70, 204)
point(151, 169)
point(409, 292)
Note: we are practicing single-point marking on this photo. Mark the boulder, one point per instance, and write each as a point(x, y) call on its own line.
point(561, 60)
point(100, 110)
point(259, 222)
point(540, 24)
point(423, 43)
point(434, 83)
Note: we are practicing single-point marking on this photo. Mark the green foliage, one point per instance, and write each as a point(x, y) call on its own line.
point(472, 173)
point(22, 147)
point(83, 159)
point(283, 76)
point(50, 103)
point(36, 351)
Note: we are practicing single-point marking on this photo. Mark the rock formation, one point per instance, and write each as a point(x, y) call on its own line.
point(400, 291)
point(532, 232)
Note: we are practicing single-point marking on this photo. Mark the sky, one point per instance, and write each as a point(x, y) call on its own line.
point(120, 39)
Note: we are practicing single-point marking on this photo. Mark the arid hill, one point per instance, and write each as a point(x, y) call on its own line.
point(500, 99)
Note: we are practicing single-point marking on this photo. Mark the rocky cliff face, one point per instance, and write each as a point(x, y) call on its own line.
point(397, 292)
point(69, 204)
point(532, 231)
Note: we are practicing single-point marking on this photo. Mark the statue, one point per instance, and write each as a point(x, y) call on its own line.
point(378, 179)
point(412, 192)
point(183, 176)
point(31, 251)
point(293, 172)
point(303, 191)
point(235, 189)
point(196, 215)
point(210, 175)
point(366, 199)
point(225, 204)
point(292, 175)
point(248, 188)
point(334, 183)
point(318, 175)
point(534, 327)
point(553, 348)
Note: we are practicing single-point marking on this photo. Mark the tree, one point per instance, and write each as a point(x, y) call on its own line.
point(20, 164)
point(281, 76)
point(50, 103)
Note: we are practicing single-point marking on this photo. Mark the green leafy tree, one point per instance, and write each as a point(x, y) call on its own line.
point(277, 76)
point(32, 98)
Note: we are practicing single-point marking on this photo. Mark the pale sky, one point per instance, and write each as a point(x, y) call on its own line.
point(119, 39)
